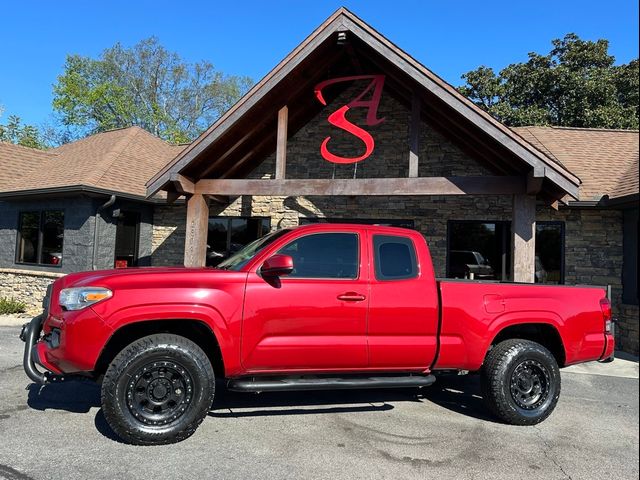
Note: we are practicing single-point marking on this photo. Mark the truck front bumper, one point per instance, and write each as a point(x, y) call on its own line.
point(34, 354)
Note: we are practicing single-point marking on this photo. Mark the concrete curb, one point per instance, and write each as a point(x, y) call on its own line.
point(14, 320)
point(625, 366)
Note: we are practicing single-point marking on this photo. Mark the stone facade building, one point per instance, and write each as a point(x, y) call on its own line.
point(440, 166)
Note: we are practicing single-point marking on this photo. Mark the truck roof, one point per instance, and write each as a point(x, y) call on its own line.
point(355, 226)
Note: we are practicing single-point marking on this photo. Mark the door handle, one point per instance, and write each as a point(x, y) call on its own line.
point(351, 297)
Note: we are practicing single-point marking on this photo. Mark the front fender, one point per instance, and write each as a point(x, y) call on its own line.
point(223, 329)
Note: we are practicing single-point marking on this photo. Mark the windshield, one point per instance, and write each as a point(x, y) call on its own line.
point(242, 257)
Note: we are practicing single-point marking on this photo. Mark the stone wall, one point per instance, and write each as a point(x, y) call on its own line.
point(627, 328)
point(77, 245)
point(167, 240)
point(26, 286)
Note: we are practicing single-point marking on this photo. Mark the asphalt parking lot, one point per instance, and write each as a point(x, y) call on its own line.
point(58, 432)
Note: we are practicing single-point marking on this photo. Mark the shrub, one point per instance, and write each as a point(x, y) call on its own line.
point(9, 305)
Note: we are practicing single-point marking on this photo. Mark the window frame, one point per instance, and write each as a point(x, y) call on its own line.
point(562, 246)
point(377, 271)
point(332, 279)
point(506, 275)
point(39, 245)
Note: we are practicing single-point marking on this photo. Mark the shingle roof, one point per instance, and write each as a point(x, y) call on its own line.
point(18, 162)
point(605, 160)
point(118, 160)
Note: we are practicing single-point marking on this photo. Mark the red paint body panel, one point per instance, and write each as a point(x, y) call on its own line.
point(468, 327)
point(295, 325)
point(301, 324)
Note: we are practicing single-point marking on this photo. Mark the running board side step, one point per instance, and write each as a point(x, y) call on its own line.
point(283, 384)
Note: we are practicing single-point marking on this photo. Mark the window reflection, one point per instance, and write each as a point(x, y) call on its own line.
point(549, 252)
point(228, 235)
point(479, 250)
point(40, 237)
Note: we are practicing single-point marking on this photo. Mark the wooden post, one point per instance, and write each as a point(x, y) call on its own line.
point(195, 242)
point(523, 233)
point(281, 145)
point(414, 135)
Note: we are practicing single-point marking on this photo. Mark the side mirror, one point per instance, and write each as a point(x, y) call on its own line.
point(277, 265)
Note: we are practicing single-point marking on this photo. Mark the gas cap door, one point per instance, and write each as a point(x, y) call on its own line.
point(494, 303)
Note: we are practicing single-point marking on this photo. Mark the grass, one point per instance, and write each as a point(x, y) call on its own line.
point(9, 306)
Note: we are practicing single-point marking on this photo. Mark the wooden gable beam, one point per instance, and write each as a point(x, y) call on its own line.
point(182, 184)
point(414, 135)
point(483, 185)
point(281, 143)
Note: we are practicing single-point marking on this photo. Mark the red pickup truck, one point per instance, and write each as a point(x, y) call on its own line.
point(315, 307)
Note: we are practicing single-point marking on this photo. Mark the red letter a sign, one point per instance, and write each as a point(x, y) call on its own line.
point(339, 119)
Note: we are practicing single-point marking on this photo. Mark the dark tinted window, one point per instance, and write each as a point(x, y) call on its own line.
point(228, 235)
point(549, 261)
point(324, 255)
point(395, 257)
point(479, 250)
point(40, 236)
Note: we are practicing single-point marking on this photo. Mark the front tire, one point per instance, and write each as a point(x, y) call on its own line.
point(520, 382)
point(158, 390)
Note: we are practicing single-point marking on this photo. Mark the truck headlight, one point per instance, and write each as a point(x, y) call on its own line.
point(82, 297)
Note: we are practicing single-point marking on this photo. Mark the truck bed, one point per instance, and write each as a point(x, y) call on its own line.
point(473, 312)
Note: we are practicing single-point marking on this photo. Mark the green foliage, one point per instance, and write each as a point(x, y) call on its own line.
point(145, 85)
point(14, 131)
point(576, 84)
point(10, 306)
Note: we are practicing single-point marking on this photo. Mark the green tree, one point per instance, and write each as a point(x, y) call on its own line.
point(14, 131)
point(145, 85)
point(576, 84)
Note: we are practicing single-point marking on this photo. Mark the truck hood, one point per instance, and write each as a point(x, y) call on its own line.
point(135, 275)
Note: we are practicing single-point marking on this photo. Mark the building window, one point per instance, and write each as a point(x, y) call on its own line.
point(227, 235)
point(549, 252)
point(393, 222)
point(40, 236)
point(479, 250)
point(395, 258)
point(324, 255)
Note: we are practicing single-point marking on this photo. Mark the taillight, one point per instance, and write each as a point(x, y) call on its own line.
point(605, 306)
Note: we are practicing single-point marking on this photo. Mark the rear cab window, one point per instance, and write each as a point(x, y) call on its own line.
point(394, 257)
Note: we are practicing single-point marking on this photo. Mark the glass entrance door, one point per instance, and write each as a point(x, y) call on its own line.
point(127, 240)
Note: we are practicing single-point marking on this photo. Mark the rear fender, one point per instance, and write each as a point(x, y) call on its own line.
point(510, 319)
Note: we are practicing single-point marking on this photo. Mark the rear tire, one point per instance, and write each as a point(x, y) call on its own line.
point(158, 390)
point(520, 382)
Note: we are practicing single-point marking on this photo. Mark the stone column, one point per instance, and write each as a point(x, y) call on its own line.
point(523, 238)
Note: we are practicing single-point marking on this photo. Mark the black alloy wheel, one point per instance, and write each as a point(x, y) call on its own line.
point(520, 382)
point(158, 390)
point(530, 384)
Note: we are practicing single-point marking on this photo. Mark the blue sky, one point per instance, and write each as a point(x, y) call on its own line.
point(250, 37)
